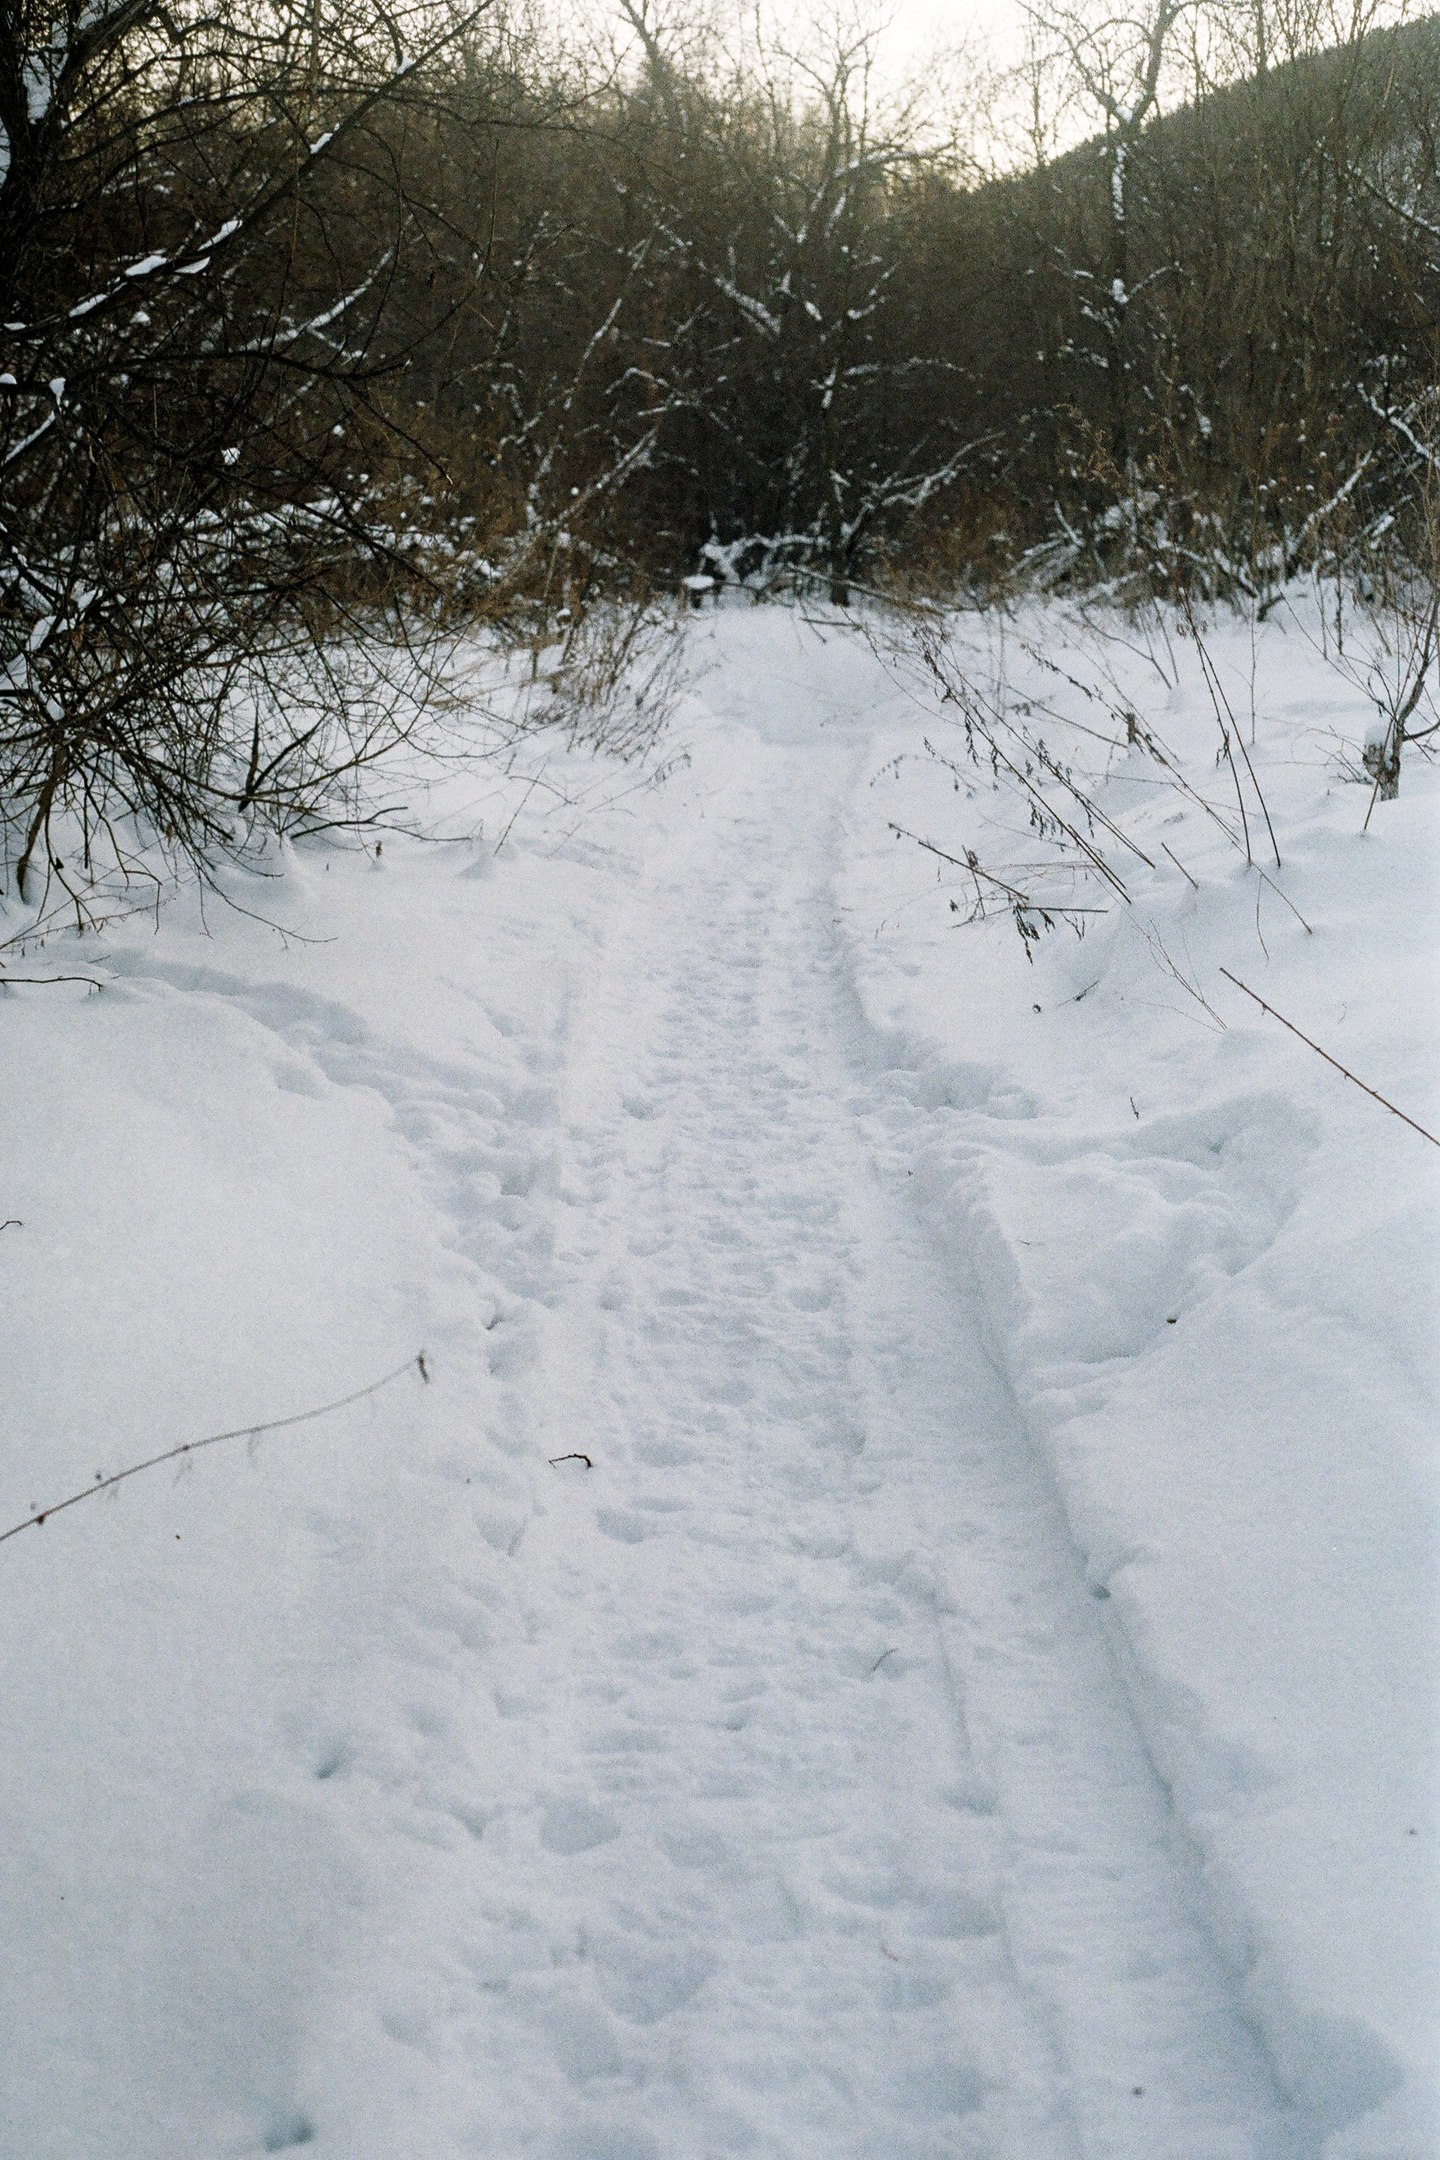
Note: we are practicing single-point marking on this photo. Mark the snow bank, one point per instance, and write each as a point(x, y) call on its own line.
point(289, 1144)
point(1210, 1268)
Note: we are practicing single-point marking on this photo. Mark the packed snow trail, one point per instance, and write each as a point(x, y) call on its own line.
point(847, 1844)
point(765, 1774)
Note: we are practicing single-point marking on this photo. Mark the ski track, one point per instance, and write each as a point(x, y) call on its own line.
point(817, 1822)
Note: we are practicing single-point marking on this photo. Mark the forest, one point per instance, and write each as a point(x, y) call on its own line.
point(332, 330)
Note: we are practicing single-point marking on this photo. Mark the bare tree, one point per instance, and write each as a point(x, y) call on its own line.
point(1117, 64)
point(201, 213)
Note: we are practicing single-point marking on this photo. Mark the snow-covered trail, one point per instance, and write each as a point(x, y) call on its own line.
point(776, 1786)
point(823, 1823)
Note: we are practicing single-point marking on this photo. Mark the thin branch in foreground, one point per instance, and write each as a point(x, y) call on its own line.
point(241, 1432)
point(1308, 928)
point(1374, 1093)
point(1179, 865)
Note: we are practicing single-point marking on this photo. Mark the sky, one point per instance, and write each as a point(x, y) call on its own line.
point(923, 43)
point(921, 23)
point(913, 28)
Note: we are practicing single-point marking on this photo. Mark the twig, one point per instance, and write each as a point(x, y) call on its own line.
point(14, 1223)
point(1395, 732)
point(974, 868)
point(571, 1458)
point(1218, 698)
point(1157, 946)
point(1178, 864)
point(241, 1432)
point(1308, 928)
point(93, 980)
point(1373, 1092)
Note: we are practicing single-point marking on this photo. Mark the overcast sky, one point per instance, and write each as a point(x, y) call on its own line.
point(915, 27)
point(912, 31)
point(919, 23)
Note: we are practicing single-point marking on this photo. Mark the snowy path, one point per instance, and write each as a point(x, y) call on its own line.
point(845, 1841)
point(777, 1787)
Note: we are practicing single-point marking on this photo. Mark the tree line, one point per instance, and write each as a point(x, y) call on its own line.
point(328, 326)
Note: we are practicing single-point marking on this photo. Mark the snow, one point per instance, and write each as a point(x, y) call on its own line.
point(902, 1623)
point(1209, 1264)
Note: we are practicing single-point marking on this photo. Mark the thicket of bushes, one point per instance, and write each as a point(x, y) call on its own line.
point(753, 305)
point(326, 326)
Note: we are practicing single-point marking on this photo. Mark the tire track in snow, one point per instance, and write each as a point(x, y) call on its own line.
point(822, 1826)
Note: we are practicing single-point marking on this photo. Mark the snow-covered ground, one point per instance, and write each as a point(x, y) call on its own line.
point(902, 1624)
